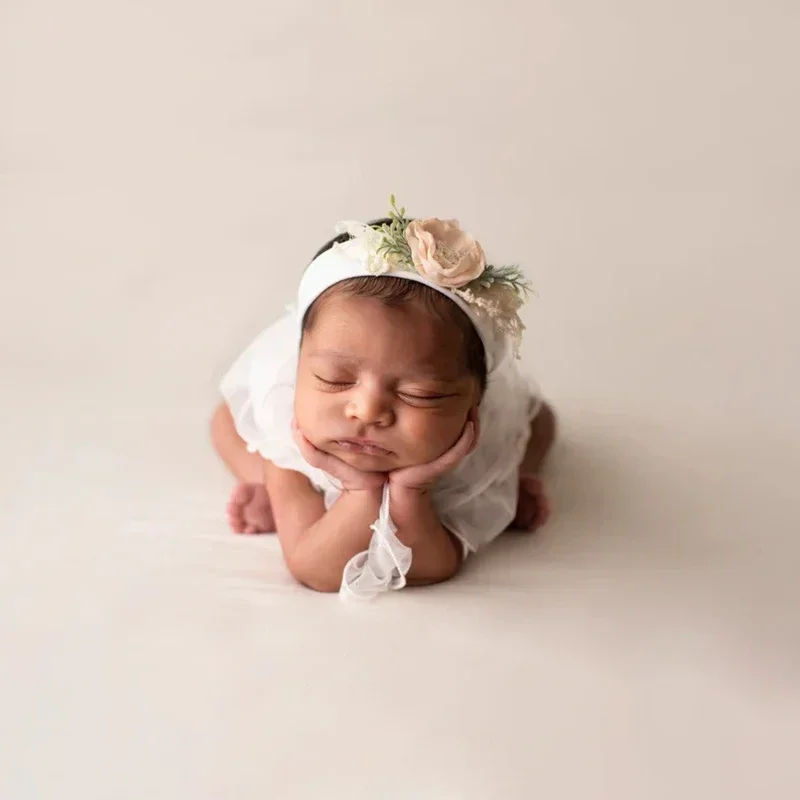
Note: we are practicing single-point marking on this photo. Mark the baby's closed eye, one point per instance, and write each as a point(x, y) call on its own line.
point(424, 397)
point(335, 381)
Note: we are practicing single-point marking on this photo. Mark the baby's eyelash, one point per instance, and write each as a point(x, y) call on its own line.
point(424, 396)
point(421, 398)
point(333, 383)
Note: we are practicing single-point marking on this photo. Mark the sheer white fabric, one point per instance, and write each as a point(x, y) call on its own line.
point(476, 501)
point(383, 566)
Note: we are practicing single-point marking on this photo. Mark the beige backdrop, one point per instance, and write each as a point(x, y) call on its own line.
point(166, 170)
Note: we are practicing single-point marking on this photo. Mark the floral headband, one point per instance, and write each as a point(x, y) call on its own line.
point(448, 257)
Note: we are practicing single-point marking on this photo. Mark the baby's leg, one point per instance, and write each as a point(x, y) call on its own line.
point(246, 466)
point(249, 509)
point(543, 434)
point(533, 508)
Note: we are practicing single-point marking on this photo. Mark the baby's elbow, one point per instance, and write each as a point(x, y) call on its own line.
point(429, 578)
point(443, 568)
point(310, 576)
point(320, 584)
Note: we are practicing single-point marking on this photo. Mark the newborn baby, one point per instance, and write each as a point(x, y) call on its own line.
point(394, 380)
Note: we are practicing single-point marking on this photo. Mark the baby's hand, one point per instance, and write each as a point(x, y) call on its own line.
point(351, 479)
point(422, 476)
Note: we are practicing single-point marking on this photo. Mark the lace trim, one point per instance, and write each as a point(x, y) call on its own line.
point(383, 566)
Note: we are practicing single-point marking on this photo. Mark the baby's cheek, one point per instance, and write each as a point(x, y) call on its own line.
point(316, 416)
point(305, 412)
point(433, 434)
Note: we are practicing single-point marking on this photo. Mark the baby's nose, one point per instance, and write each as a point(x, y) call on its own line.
point(370, 408)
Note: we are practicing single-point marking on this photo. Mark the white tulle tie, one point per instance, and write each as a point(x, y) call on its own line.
point(383, 566)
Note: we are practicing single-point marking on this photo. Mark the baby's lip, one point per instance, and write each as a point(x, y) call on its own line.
point(364, 446)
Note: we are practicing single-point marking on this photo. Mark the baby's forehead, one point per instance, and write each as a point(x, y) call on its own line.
point(406, 336)
point(409, 317)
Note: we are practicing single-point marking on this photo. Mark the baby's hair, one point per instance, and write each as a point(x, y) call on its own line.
point(395, 292)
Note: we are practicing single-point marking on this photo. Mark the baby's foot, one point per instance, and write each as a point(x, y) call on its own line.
point(533, 507)
point(249, 509)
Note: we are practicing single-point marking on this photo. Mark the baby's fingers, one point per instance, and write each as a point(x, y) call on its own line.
point(310, 453)
point(462, 448)
point(348, 476)
point(425, 474)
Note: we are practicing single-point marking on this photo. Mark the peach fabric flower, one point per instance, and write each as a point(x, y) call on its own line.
point(444, 253)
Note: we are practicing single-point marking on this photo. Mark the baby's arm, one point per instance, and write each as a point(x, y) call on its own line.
point(317, 544)
point(436, 553)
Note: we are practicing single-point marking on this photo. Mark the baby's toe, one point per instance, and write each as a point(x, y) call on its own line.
point(260, 521)
point(533, 508)
point(236, 521)
point(528, 516)
point(541, 516)
point(237, 505)
point(241, 495)
point(258, 512)
point(525, 513)
point(531, 485)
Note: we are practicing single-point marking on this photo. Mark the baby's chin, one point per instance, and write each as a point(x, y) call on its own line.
point(380, 463)
point(368, 462)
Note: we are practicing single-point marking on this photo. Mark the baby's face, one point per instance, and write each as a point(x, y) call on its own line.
point(381, 387)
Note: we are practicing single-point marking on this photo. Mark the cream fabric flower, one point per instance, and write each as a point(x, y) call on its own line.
point(444, 253)
point(364, 245)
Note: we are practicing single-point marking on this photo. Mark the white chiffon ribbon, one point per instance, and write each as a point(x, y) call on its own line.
point(383, 566)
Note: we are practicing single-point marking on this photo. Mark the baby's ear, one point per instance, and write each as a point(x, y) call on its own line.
point(474, 417)
point(477, 397)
